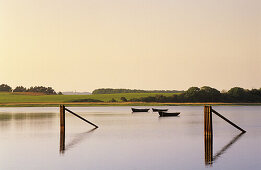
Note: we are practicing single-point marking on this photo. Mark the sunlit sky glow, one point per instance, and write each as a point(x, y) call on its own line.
point(143, 44)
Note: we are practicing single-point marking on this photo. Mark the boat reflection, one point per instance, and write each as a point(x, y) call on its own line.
point(209, 158)
point(75, 141)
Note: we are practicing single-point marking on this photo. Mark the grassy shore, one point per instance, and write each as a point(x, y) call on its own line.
point(37, 99)
point(40, 100)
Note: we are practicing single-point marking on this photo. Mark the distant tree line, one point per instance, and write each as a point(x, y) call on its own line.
point(207, 94)
point(5, 88)
point(113, 91)
point(35, 89)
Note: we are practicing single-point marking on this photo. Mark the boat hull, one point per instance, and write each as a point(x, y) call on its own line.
point(159, 110)
point(166, 114)
point(139, 110)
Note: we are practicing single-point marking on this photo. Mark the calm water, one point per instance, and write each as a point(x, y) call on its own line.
point(30, 139)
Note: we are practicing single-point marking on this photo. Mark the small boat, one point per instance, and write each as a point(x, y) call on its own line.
point(139, 110)
point(165, 114)
point(159, 110)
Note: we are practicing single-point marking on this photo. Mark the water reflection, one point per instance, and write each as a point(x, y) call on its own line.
point(23, 116)
point(79, 137)
point(209, 158)
point(62, 140)
point(208, 149)
point(5, 117)
point(22, 119)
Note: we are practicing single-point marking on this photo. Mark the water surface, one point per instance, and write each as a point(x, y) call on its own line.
point(30, 139)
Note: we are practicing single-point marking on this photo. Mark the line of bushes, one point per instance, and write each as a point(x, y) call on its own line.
point(207, 94)
point(35, 89)
point(113, 91)
point(203, 94)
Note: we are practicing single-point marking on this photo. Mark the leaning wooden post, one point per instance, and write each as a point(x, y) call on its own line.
point(80, 117)
point(231, 123)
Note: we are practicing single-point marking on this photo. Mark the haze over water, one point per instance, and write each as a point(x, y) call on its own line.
point(30, 139)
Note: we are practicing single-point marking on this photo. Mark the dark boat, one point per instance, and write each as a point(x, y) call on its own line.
point(159, 110)
point(139, 110)
point(165, 114)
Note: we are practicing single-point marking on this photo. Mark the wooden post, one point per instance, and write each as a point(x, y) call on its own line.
point(208, 133)
point(62, 129)
point(62, 116)
point(62, 126)
point(208, 130)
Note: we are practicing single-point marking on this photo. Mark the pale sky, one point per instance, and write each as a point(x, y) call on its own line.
point(143, 44)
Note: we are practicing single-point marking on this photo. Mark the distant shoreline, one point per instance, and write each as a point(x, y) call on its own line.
point(99, 104)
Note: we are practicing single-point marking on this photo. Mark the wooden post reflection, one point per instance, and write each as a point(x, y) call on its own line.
point(62, 140)
point(234, 140)
point(208, 149)
point(62, 129)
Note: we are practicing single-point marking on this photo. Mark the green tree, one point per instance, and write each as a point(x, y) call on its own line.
point(209, 94)
point(254, 95)
point(5, 88)
point(41, 89)
point(192, 94)
point(19, 89)
point(237, 94)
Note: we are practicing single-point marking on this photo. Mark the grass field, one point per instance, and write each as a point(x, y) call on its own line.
point(34, 98)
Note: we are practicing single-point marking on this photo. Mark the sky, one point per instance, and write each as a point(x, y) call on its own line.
point(81, 45)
